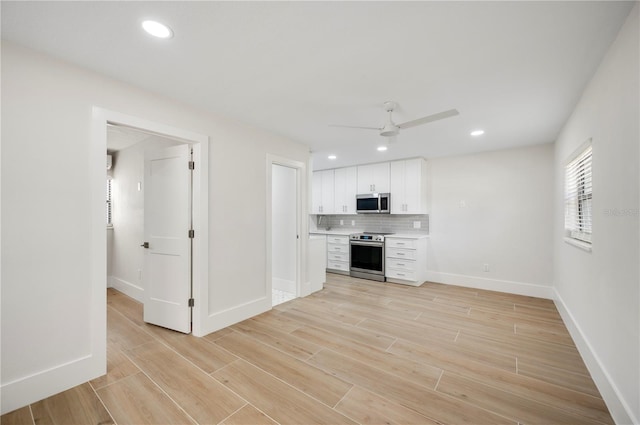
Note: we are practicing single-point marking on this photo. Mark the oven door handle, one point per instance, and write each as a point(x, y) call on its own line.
point(380, 244)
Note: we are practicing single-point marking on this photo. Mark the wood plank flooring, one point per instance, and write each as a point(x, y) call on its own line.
point(357, 352)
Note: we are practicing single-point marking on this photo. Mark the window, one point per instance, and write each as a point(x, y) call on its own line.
point(109, 183)
point(578, 197)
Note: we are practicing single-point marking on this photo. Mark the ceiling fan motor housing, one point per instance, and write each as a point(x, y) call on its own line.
point(389, 130)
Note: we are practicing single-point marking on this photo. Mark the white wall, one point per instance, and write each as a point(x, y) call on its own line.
point(598, 293)
point(492, 208)
point(284, 228)
point(128, 216)
point(48, 218)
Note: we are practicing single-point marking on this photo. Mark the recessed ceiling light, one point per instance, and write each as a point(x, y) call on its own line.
point(382, 148)
point(477, 133)
point(157, 29)
point(332, 157)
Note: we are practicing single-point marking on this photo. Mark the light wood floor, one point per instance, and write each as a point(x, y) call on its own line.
point(356, 352)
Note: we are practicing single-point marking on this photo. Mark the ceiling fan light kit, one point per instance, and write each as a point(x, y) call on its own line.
point(391, 129)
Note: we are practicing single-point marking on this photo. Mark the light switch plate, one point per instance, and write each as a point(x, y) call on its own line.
point(416, 225)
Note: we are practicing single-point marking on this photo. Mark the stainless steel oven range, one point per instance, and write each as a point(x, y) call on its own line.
point(367, 255)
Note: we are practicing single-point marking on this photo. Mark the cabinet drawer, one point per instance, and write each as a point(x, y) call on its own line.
point(331, 248)
point(338, 256)
point(338, 240)
point(395, 263)
point(401, 253)
point(401, 274)
point(401, 243)
point(338, 265)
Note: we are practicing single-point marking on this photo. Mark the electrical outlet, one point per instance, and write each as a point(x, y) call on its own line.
point(139, 275)
point(416, 225)
point(353, 222)
point(485, 267)
point(463, 204)
point(341, 222)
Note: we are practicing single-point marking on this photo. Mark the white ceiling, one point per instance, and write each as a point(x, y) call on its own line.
point(119, 138)
point(515, 69)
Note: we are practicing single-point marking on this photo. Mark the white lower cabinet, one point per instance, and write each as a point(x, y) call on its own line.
point(338, 254)
point(406, 260)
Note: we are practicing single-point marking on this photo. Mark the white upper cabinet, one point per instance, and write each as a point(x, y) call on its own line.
point(373, 178)
point(322, 197)
point(408, 180)
point(345, 189)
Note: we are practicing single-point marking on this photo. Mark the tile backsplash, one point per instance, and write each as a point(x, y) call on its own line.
point(375, 222)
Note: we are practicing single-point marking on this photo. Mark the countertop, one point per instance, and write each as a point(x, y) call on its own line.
point(409, 235)
point(347, 232)
point(342, 232)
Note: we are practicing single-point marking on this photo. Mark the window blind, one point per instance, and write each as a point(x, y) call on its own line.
point(578, 217)
point(108, 212)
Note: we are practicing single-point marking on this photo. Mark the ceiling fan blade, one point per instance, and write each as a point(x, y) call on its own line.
point(429, 118)
point(354, 126)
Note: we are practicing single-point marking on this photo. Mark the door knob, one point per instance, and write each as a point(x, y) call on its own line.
point(145, 245)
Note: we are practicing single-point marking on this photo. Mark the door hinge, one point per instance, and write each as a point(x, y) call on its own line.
point(192, 165)
point(191, 302)
point(192, 234)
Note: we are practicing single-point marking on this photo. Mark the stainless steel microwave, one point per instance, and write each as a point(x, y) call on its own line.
point(373, 203)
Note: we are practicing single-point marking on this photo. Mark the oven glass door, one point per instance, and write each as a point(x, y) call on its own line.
point(367, 257)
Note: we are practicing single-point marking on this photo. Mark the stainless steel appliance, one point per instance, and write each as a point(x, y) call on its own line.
point(373, 203)
point(367, 255)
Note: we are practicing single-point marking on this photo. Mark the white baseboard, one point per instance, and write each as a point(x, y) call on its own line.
point(32, 388)
point(518, 288)
point(283, 285)
point(222, 319)
point(127, 288)
point(619, 409)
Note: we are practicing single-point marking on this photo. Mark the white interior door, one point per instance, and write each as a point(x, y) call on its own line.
point(167, 220)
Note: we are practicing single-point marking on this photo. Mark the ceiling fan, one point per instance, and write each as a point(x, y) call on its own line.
point(391, 129)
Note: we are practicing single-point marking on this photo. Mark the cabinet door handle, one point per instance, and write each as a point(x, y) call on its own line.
point(400, 253)
point(400, 264)
point(399, 243)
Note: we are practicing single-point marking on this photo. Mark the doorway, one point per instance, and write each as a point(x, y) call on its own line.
point(197, 230)
point(284, 233)
point(285, 250)
point(150, 207)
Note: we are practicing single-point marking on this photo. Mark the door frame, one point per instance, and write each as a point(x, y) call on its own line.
point(200, 211)
point(301, 226)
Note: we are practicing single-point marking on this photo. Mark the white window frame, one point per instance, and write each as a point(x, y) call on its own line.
point(578, 197)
